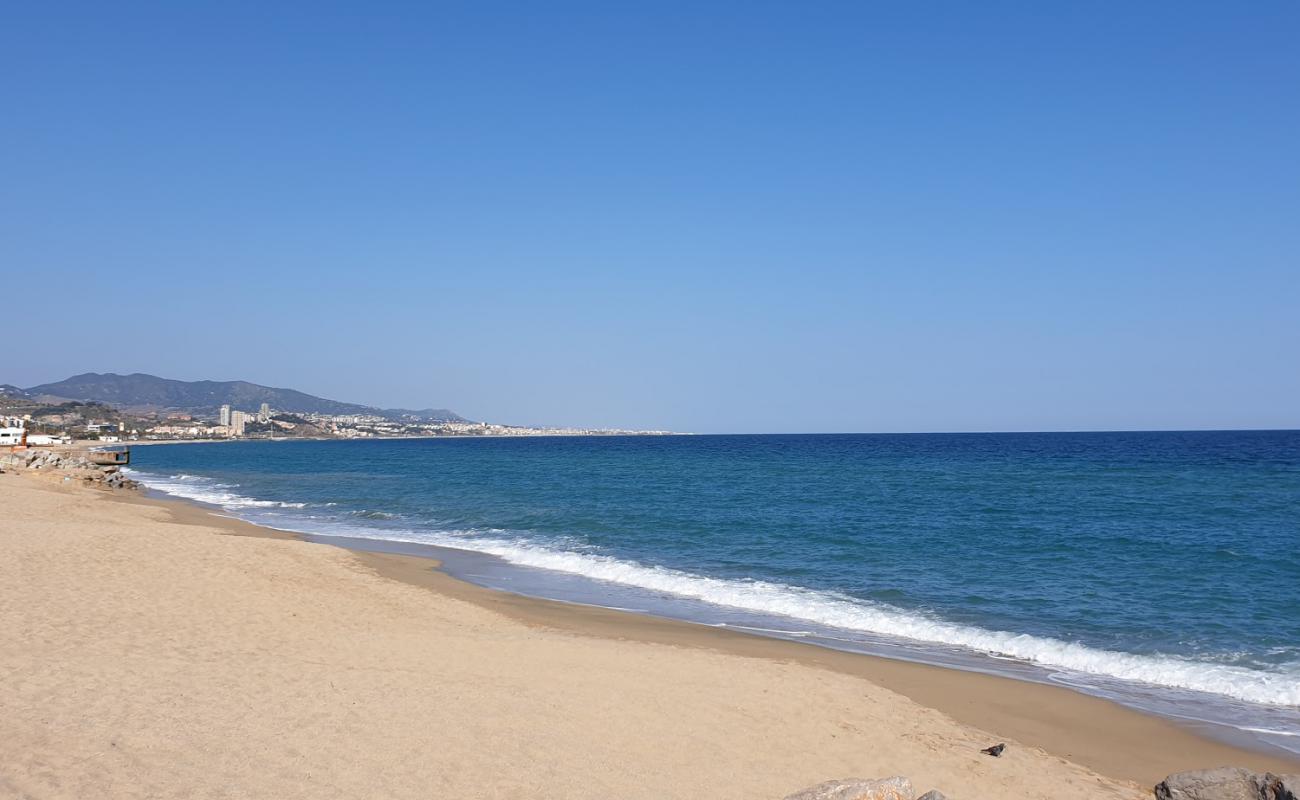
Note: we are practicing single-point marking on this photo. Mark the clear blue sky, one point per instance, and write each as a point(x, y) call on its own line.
point(751, 216)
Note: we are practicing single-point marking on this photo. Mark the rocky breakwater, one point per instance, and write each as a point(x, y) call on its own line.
point(66, 466)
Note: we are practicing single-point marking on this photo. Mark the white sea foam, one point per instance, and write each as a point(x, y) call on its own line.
point(205, 490)
point(827, 609)
point(830, 609)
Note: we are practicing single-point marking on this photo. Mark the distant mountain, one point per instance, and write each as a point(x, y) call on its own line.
point(206, 397)
point(11, 391)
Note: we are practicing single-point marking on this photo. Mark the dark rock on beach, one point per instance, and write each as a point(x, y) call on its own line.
point(1228, 783)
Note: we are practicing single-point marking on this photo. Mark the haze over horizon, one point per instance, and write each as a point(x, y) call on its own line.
point(732, 218)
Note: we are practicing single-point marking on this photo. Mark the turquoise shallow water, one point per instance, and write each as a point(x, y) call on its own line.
point(1160, 569)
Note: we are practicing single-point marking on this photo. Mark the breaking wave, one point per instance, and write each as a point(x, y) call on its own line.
point(367, 514)
point(822, 608)
point(846, 613)
point(205, 490)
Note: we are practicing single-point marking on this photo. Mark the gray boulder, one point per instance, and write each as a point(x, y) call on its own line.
point(1281, 787)
point(895, 788)
point(119, 481)
point(1224, 783)
point(933, 794)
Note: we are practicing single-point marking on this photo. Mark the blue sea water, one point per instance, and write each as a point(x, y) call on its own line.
point(1158, 569)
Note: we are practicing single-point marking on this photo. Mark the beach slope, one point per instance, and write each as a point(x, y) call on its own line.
point(149, 656)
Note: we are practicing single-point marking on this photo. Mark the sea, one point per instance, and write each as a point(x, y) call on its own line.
point(1159, 570)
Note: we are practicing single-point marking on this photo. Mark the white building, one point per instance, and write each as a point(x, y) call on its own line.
point(237, 421)
point(225, 415)
point(264, 413)
point(11, 434)
point(45, 440)
point(12, 429)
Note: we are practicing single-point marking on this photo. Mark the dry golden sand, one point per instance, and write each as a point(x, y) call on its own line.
point(145, 654)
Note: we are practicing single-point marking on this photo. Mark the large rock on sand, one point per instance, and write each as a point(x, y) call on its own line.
point(1224, 783)
point(1282, 787)
point(895, 788)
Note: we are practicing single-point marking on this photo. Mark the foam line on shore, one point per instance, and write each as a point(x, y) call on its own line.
point(823, 608)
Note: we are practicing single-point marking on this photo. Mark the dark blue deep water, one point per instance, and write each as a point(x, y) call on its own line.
point(1161, 569)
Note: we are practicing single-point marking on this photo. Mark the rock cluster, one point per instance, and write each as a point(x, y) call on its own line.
point(1228, 783)
point(44, 459)
point(1224, 783)
point(895, 788)
point(116, 480)
point(68, 465)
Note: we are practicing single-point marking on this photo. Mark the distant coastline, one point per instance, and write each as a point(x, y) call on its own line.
point(110, 408)
point(609, 434)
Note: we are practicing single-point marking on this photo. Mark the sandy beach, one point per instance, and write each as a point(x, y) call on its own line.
point(154, 650)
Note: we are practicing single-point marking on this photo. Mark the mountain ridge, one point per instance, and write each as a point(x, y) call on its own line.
point(142, 390)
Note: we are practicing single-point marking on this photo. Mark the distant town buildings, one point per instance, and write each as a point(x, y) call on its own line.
point(78, 420)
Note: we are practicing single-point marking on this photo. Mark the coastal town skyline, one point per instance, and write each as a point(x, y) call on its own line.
point(153, 419)
point(112, 409)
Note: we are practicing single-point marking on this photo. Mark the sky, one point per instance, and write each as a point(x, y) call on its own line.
point(709, 217)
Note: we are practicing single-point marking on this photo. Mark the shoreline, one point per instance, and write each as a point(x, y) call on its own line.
point(1120, 742)
point(497, 565)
